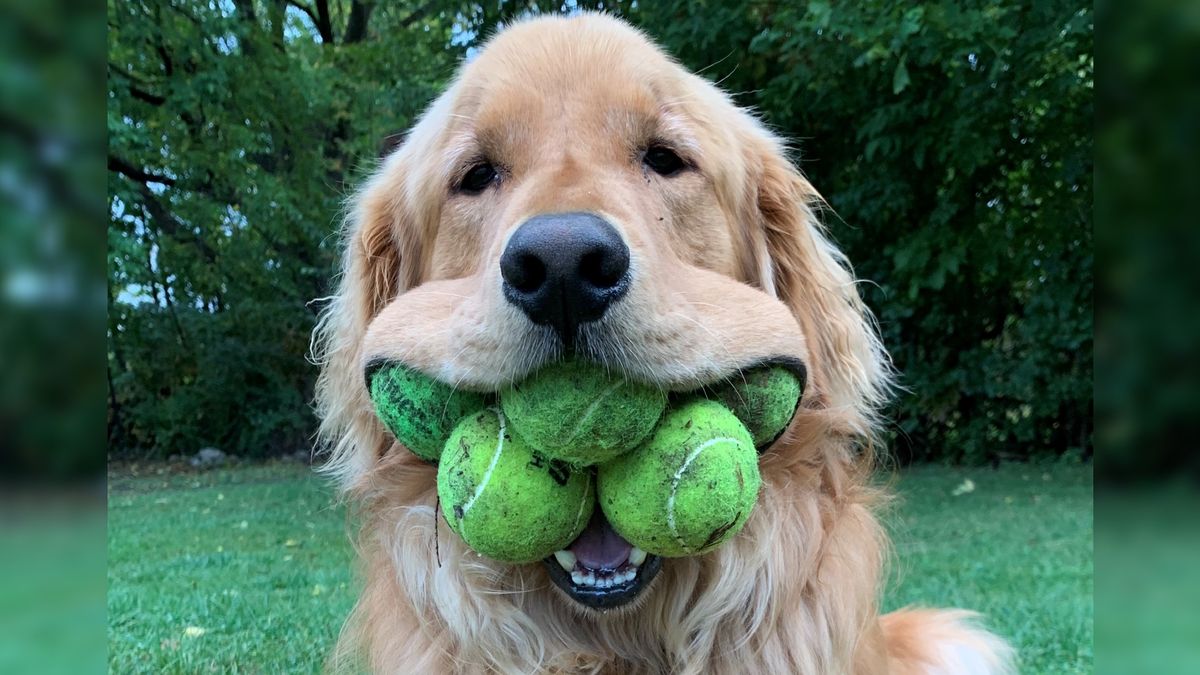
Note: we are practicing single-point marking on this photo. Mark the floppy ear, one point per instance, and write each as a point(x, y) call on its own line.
point(380, 260)
point(850, 372)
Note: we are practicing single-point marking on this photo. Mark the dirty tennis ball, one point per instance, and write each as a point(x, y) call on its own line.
point(764, 399)
point(581, 414)
point(419, 410)
point(689, 488)
point(504, 499)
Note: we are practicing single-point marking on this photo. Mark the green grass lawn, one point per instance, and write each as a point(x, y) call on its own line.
point(250, 569)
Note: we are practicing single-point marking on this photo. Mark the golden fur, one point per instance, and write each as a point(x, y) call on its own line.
point(731, 267)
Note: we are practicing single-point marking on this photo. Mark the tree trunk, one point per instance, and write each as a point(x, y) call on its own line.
point(356, 26)
point(324, 22)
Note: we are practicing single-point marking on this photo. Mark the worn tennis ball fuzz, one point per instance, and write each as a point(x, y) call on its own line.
point(689, 488)
point(419, 410)
point(764, 399)
point(581, 414)
point(504, 499)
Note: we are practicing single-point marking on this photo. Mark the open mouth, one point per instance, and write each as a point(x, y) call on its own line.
point(600, 569)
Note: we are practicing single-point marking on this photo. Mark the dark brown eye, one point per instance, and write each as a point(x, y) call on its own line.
point(478, 178)
point(663, 160)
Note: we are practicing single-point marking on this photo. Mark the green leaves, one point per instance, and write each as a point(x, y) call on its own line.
point(820, 13)
point(900, 79)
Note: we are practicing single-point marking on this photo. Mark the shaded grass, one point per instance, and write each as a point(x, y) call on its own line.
point(250, 569)
point(1018, 548)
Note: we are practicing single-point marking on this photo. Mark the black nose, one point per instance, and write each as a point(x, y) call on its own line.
point(564, 269)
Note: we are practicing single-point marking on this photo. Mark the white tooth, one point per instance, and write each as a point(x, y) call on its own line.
point(628, 576)
point(589, 579)
point(577, 578)
point(566, 559)
point(606, 582)
point(637, 556)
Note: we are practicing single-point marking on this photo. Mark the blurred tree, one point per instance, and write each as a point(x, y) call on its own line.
point(952, 141)
point(51, 194)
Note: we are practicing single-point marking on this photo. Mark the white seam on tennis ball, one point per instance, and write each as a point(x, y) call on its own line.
point(487, 475)
point(589, 410)
point(587, 493)
point(675, 486)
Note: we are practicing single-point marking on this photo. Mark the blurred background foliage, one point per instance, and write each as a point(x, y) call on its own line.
point(51, 206)
point(953, 141)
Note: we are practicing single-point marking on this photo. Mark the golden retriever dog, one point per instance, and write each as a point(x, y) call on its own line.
point(575, 190)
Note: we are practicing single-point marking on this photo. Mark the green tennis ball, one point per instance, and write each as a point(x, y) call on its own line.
point(764, 399)
point(419, 410)
point(689, 488)
point(581, 414)
point(504, 499)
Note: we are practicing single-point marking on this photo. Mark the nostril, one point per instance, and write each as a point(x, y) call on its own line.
point(602, 267)
point(523, 270)
point(530, 274)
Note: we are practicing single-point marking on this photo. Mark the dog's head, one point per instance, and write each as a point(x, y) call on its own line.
point(575, 190)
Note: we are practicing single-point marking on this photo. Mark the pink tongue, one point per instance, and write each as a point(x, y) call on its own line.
point(600, 547)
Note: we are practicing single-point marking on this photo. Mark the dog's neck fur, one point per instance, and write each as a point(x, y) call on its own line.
point(775, 599)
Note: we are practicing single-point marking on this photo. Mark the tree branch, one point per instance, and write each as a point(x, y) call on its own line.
point(418, 14)
point(246, 9)
point(324, 28)
point(134, 90)
point(171, 225)
point(168, 64)
point(141, 95)
point(140, 175)
point(277, 16)
point(307, 10)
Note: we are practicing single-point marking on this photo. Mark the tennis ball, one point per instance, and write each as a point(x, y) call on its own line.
point(689, 488)
point(419, 410)
point(504, 499)
point(581, 414)
point(764, 399)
